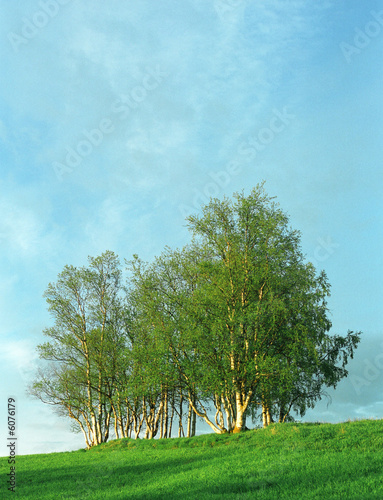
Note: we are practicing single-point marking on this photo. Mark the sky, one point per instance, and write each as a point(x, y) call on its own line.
point(119, 119)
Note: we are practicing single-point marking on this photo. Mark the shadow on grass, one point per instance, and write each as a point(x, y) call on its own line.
point(152, 481)
point(105, 476)
point(341, 461)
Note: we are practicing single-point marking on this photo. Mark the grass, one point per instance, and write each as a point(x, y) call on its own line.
point(284, 461)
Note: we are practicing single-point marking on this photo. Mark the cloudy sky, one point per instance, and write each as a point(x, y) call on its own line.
point(118, 119)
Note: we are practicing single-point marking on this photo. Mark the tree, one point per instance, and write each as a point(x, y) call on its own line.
point(270, 331)
point(234, 324)
point(86, 345)
point(241, 316)
point(157, 296)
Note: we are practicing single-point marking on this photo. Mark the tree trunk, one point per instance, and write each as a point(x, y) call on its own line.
point(127, 428)
point(239, 420)
point(171, 415)
point(264, 415)
point(180, 427)
point(229, 411)
point(282, 414)
point(194, 421)
point(203, 415)
point(267, 419)
point(115, 422)
point(190, 412)
point(166, 415)
point(241, 403)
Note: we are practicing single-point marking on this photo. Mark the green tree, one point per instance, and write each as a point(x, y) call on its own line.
point(156, 295)
point(234, 324)
point(86, 345)
point(270, 329)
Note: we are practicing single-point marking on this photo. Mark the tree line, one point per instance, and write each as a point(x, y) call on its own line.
point(233, 326)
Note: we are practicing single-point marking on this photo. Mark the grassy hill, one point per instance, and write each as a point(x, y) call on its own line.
point(284, 461)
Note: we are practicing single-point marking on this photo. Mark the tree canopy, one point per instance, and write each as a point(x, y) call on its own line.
point(236, 324)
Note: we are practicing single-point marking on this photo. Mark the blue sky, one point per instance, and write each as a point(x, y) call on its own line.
point(117, 119)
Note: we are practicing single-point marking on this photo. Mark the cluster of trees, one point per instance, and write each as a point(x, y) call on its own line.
point(234, 325)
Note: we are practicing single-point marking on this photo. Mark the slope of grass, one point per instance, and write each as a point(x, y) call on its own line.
point(284, 461)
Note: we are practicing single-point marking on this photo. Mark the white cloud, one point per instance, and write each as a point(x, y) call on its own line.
point(19, 229)
point(20, 357)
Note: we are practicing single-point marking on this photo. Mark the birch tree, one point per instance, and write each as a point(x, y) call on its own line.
point(273, 313)
point(85, 345)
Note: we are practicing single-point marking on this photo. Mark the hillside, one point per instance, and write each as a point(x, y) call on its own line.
point(283, 461)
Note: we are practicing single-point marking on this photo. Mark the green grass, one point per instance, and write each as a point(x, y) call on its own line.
point(284, 461)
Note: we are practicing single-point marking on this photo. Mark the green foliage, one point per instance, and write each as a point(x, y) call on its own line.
point(240, 315)
point(234, 323)
point(87, 344)
point(284, 461)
